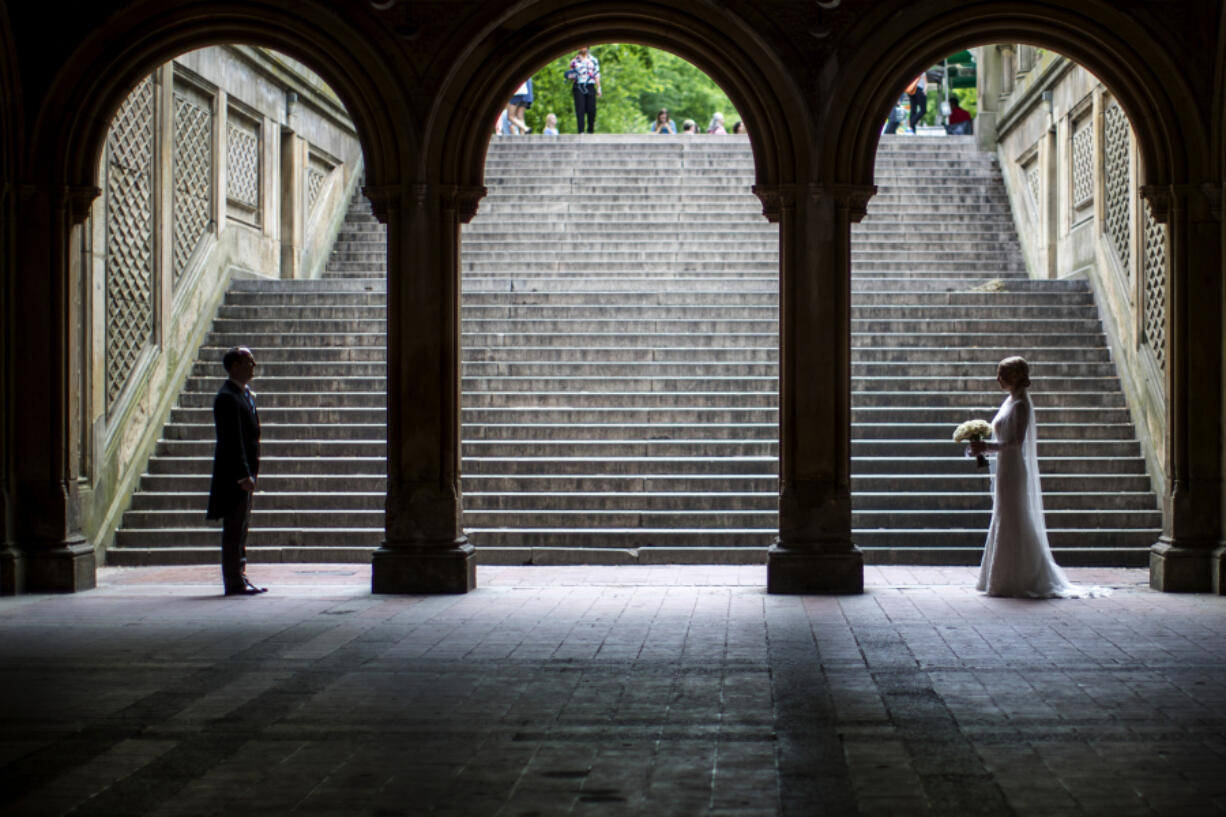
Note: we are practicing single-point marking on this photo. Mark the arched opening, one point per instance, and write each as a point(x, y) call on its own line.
point(957, 266)
point(231, 215)
point(1150, 101)
point(760, 87)
point(620, 329)
point(71, 155)
point(814, 509)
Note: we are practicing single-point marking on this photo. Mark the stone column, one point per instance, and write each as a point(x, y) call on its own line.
point(1008, 74)
point(1188, 556)
point(45, 550)
point(293, 168)
point(12, 562)
point(814, 552)
point(988, 86)
point(425, 549)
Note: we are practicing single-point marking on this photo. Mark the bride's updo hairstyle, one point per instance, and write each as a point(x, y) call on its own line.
point(1015, 371)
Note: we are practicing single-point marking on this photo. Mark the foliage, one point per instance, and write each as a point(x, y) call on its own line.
point(968, 98)
point(637, 81)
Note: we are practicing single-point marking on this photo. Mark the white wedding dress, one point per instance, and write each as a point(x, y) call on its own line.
point(1017, 558)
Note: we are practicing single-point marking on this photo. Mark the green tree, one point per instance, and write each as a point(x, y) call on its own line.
point(968, 98)
point(637, 81)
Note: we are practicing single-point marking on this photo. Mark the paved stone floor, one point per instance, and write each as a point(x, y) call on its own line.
point(609, 691)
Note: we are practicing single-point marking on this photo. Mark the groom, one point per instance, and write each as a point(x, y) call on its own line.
point(236, 464)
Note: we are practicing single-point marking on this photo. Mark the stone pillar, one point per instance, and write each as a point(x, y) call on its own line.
point(293, 217)
point(1188, 556)
point(1008, 73)
point(1049, 199)
point(12, 562)
point(45, 550)
point(425, 549)
point(814, 552)
point(988, 85)
point(1025, 58)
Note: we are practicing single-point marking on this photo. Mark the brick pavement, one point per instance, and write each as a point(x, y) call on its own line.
point(609, 691)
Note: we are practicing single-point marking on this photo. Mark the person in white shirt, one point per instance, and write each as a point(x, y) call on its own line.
point(520, 102)
point(585, 73)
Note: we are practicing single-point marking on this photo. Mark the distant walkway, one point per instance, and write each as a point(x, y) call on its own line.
point(610, 690)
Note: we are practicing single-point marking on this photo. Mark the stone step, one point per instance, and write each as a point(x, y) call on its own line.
point(190, 489)
point(649, 518)
point(667, 448)
point(863, 417)
point(626, 213)
point(763, 396)
point(767, 500)
point(259, 302)
point(1074, 547)
point(520, 426)
point(752, 554)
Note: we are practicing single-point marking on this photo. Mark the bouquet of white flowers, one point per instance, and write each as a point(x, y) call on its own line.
point(974, 430)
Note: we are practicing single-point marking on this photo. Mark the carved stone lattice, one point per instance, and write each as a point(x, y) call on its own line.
point(129, 237)
point(315, 183)
point(1154, 268)
point(1032, 184)
point(243, 166)
point(193, 178)
point(1117, 134)
point(1083, 166)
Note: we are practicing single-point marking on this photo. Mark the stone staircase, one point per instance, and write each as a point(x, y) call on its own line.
point(620, 341)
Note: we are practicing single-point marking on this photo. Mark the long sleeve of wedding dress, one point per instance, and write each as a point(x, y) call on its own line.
point(1017, 558)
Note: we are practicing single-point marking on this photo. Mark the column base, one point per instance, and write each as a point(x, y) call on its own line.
point(69, 568)
point(424, 571)
point(1217, 574)
point(795, 571)
point(1174, 569)
point(12, 571)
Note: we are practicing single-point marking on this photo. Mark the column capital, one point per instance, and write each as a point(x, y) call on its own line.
point(777, 198)
point(79, 200)
point(853, 198)
point(384, 199)
point(464, 199)
point(1202, 199)
point(76, 200)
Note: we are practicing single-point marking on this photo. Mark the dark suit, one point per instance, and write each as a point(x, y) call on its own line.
point(236, 457)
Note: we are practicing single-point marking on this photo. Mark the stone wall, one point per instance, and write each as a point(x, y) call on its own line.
point(227, 161)
point(1070, 163)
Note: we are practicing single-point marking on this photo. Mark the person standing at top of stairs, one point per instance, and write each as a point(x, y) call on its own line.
point(585, 73)
point(918, 92)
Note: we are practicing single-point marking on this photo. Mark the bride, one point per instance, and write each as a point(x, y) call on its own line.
point(1017, 559)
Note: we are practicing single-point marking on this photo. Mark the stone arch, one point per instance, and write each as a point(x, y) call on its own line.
point(814, 550)
point(60, 168)
point(1217, 124)
point(94, 82)
point(1153, 91)
point(1179, 168)
point(510, 48)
